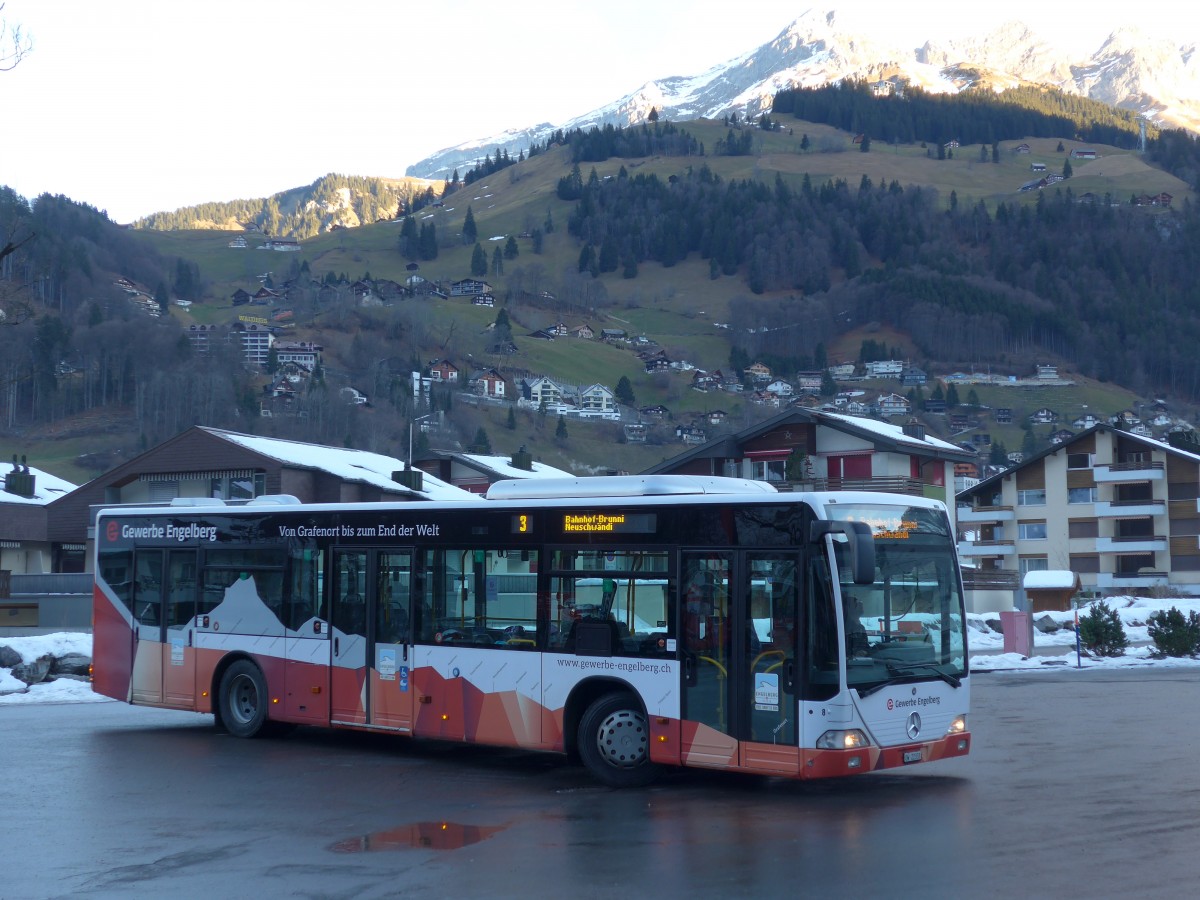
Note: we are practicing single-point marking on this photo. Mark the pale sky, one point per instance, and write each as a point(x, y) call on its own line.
point(137, 106)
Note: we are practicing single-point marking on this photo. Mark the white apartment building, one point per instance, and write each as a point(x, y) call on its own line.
point(1120, 510)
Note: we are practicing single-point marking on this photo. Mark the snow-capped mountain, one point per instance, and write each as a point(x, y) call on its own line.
point(1158, 79)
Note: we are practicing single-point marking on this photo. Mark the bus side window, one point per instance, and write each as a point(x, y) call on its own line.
point(116, 569)
point(148, 589)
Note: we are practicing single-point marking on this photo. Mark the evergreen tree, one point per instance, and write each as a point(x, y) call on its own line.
point(481, 444)
point(470, 233)
point(587, 258)
point(503, 327)
point(865, 146)
point(560, 432)
point(804, 142)
point(608, 255)
point(1067, 170)
point(427, 246)
point(497, 261)
point(511, 250)
point(479, 263)
point(511, 424)
point(624, 391)
point(538, 240)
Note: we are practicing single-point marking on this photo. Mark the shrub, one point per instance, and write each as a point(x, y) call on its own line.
point(1101, 631)
point(1173, 635)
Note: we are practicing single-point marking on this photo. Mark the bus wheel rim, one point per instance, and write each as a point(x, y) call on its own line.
point(244, 699)
point(624, 739)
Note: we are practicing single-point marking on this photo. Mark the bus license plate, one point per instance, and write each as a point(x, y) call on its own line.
point(912, 756)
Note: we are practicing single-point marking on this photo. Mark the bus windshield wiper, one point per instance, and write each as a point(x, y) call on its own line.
point(900, 672)
point(908, 668)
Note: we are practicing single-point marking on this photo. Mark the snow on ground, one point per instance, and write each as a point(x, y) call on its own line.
point(1055, 651)
point(63, 690)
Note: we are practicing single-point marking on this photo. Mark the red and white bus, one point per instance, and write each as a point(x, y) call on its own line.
point(629, 622)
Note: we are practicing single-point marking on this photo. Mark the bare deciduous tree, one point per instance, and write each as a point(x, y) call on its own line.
point(15, 44)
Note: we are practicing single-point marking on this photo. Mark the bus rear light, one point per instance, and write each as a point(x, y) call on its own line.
point(274, 699)
point(204, 693)
point(316, 689)
point(842, 740)
point(958, 726)
point(445, 717)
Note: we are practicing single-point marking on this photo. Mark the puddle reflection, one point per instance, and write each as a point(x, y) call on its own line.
point(419, 835)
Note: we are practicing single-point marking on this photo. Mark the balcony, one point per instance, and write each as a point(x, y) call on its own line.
point(967, 514)
point(1129, 509)
point(990, 579)
point(1129, 472)
point(892, 485)
point(1122, 580)
point(985, 549)
point(1146, 543)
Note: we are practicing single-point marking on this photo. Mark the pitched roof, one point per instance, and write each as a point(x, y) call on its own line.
point(349, 465)
point(883, 435)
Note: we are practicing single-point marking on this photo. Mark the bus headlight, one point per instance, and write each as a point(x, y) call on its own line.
point(842, 740)
point(958, 726)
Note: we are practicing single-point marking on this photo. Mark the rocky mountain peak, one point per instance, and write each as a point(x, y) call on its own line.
point(825, 46)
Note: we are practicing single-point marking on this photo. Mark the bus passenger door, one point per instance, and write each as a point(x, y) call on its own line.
point(349, 688)
point(178, 653)
point(391, 690)
point(738, 634)
point(768, 662)
point(709, 727)
point(146, 684)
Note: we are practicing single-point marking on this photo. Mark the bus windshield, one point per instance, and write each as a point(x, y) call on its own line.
point(907, 624)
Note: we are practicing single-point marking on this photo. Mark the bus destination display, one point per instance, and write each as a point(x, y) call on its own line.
point(609, 523)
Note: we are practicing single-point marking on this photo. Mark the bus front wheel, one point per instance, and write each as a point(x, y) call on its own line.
point(244, 700)
point(614, 742)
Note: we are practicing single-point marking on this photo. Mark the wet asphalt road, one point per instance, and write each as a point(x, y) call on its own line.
point(1079, 784)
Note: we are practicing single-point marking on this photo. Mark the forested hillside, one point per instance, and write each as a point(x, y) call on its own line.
point(976, 116)
point(1112, 289)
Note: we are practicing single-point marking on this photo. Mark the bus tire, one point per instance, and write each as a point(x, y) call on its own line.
point(614, 742)
point(243, 699)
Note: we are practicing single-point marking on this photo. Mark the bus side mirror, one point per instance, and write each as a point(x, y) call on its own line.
point(862, 546)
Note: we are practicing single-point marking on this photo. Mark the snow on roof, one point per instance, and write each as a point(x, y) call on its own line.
point(46, 488)
point(1050, 579)
point(895, 432)
point(351, 465)
point(502, 465)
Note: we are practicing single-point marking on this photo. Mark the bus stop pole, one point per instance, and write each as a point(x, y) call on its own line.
point(1078, 654)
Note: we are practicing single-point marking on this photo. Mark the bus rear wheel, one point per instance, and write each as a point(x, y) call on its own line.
point(614, 742)
point(243, 699)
